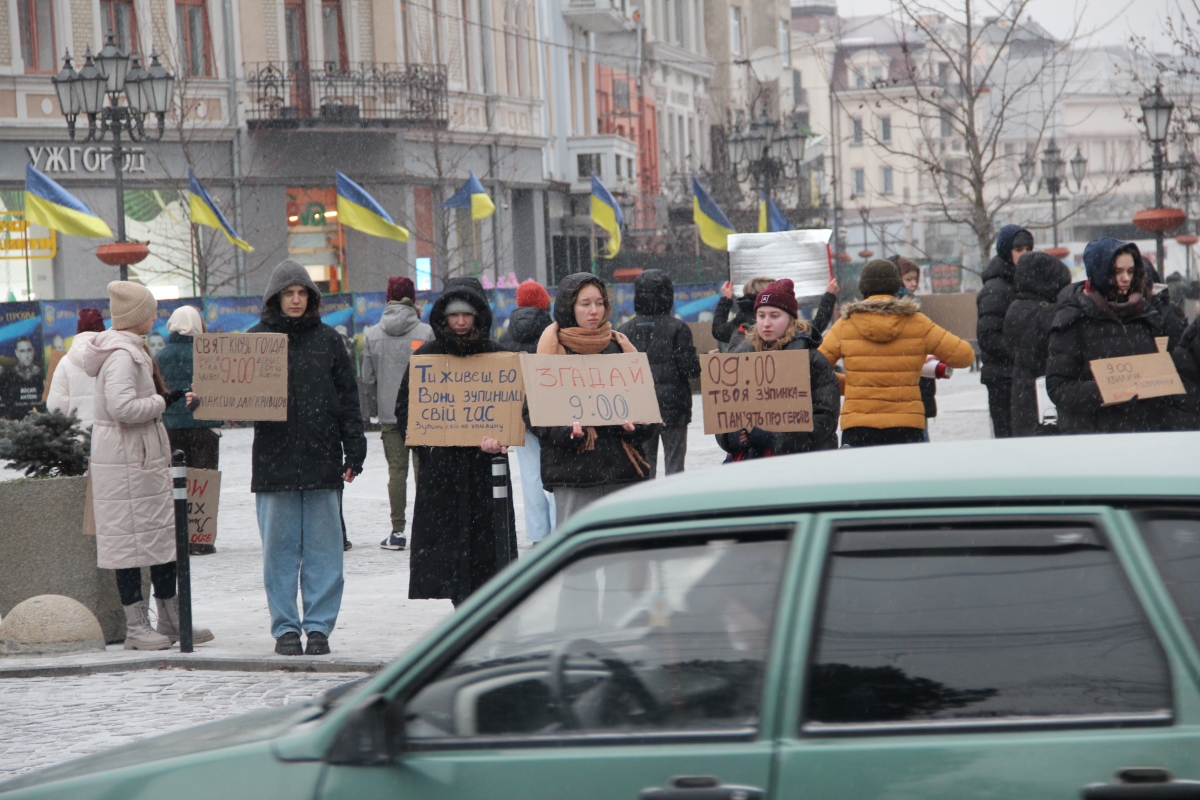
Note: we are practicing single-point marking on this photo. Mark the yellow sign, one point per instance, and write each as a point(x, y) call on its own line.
point(21, 240)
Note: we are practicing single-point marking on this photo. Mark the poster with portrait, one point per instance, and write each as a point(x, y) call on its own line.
point(22, 359)
point(60, 319)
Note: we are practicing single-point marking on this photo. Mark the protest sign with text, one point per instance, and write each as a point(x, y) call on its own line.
point(455, 402)
point(592, 390)
point(240, 376)
point(756, 390)
point(1146, 376)
point(203, 498)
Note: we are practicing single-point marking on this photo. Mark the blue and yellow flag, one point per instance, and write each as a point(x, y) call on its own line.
point(606, 213)
point(472, 195)
point(770, 218)
point(205, 212)
point(713, 224)
point(49, 205)
point(358, 210)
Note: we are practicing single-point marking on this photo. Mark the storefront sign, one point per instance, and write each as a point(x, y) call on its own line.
point(1144, 376)
point(591, 390)
point(756, 390)
point(241, 376)
point(76, 158)
point(455, 402)
point(21, 240)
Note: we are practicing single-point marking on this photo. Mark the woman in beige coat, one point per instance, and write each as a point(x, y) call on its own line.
point(130, 468)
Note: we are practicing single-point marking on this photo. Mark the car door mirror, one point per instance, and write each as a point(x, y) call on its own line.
point(371, 735)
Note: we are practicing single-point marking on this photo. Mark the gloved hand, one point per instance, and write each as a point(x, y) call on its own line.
point(760, 438)
point(174, 396)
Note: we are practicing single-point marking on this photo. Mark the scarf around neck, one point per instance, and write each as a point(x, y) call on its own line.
point(1121, 311)
point(555, 341)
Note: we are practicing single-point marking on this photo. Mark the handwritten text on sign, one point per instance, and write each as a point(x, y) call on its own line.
point(455, 402)
point(240, 376)
point(203, 496)
point(591, 390)
point(756, 390)
point(1149, 375)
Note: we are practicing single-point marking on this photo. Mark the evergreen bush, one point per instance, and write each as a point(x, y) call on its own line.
point(45, 445)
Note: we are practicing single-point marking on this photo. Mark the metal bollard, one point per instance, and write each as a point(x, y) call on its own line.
point(183, 562)
point(500, 513)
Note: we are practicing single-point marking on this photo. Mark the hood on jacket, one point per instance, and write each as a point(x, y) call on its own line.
point(94, 352)
point(483, 317)
point(1004, 241)
point(398, 319)
point(78, 347)
point(466, 280)
point(1098, 258)
point(653, 293)
point(185, 320)
point(880, 318)
point(568, 289)
point(525, 325)
point(1040, 275)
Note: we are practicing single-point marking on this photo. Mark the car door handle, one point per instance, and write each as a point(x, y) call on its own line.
point(702, 787)
point(1143, 783)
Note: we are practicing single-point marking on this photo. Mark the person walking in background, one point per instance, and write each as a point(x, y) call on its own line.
point(71, 389)
point(992, 303)
point(387, 348)
point(130, 468)
point(525, 327)
point(299, 465)
point(454, 526)
point(667, 343)
point(195, 437)
point(732, 331)
point(1038, 281)
point(884, 341)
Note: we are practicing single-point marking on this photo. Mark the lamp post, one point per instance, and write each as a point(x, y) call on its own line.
point(106, 76)
point(1054, 169)
point(766, 152)
point(1156, 116)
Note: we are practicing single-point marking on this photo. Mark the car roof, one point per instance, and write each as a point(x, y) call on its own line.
point(1119, 466)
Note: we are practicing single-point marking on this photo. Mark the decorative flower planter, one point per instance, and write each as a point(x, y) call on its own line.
point(1057, 252)
point(865, 253)
point(118, 253)
point(1187, 239)
point(1155, 220)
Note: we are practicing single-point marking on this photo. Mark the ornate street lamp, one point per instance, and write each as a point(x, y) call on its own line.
point(1156, 116)
point(1054, 169)
point(764, 154)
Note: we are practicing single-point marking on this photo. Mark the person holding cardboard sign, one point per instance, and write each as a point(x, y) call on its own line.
point(581, 465)
point(777, 326)
point(454, 527)
point(1105, 317)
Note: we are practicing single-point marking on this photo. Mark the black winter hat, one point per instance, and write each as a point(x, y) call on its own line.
point(879, 276)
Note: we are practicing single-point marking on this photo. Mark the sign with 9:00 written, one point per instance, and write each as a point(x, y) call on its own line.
point(756, 390)
point(593, 390)
point(240, 376)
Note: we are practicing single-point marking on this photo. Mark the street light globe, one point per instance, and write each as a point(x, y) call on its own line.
point(1052, 163)
point(92, 83)
point(136, 84)
point(114, 64)
point(161, 87)
point(1156, 114)
point(1078, 167)
point(66, 86)
point(735, 146)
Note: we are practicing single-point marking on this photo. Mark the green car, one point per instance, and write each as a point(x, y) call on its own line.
point(1010, 619)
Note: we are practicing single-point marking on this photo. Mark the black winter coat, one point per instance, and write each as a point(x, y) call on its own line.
point(323, 434)
point(667, 343)
point(724, 329)
point(454, 528)
point(1037, 281)
point(525, 327)
point(1081, 333)
point(992, 304)
point(827, 407)
point(1185, 409)
point(823, 316)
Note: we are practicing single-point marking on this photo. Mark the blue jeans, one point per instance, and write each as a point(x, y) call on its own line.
point(302, 541)
point(539, 507)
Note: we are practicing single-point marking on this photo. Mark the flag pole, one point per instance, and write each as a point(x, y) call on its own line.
point(475, 243)
point(592, 247)
point(342, 251)
point(28, 277)
point(192, 245)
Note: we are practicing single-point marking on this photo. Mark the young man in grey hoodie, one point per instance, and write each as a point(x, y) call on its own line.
point(387, 348)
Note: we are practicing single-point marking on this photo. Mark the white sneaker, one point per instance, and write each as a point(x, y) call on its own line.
point(394, 542)
point(138, 633)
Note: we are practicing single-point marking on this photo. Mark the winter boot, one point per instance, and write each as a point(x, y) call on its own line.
point(138, 633)
point(289, 644)
point(168, 622)
point(318, 644)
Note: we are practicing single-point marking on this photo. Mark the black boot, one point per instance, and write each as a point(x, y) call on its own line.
point(288, 644)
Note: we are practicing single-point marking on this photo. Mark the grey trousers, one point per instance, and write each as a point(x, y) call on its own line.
point(674, 445)
point(569, 501)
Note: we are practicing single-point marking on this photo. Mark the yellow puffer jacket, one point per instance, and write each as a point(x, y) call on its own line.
point(884, 341)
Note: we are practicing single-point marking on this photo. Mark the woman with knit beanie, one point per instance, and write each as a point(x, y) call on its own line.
point(777, 326)
point(71, 390)
point(130, 468)
point(581, 465)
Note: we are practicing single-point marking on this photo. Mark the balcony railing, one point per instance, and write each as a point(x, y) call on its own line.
point(297, 95)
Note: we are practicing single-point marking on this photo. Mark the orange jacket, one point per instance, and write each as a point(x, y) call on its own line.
point(883, 341)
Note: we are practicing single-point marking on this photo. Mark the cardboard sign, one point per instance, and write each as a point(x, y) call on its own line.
point(240, 376)
point(203, 497)
point(455, 402)
point(1149, 375)
point(756, 390)
point(591, 390)
point(801, 255)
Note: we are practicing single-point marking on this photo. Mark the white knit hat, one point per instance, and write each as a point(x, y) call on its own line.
point(185, 321)
point(130, 304)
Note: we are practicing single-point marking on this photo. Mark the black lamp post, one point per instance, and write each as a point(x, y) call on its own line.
point(1054, 169)
point(1156, 116)
point(764, 154)
point(109, 74)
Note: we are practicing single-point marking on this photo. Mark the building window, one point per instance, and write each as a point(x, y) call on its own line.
point(333, 35)
point(191, 20)
point(785, 43)
point(858, 130)
point(888, 184)
point(885, 129)
point(36, 21)
point(118, 18)
point(679, 23)
point(620, 94)
point(877, 75)
point(629, 168)
point(587, 163)
point(947, 123)
point(735, 30)
point(860, 181)
point(859, 81)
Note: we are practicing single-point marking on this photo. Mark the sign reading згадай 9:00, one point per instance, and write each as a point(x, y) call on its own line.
point(240, 376)
point(455, 402)
point(592, 390)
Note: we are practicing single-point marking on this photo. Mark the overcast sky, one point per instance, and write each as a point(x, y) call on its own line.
point(1106, 21)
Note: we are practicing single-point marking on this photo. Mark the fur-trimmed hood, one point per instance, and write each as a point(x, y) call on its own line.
point(880, 318)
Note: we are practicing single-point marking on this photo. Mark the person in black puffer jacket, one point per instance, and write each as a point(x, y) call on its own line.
point(581, 465)
point(1038, 280)
point(667, 343)
point(299, 465)
point(732, 332)
point(1105, 317)
point(992, 303)
point(1174, 320)
point(1185, 409)
point(531, 317)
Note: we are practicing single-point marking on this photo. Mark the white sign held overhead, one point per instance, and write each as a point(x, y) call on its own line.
point(802, 256)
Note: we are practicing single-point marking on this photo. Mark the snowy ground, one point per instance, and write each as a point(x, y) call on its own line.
point(377, 620)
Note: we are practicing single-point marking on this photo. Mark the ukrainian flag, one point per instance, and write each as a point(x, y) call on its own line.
point(205, 212)
point(606, 213)
point(713, 224)
point(471, 195)
point(358, 210)
point(49, 205)
point(770, 218)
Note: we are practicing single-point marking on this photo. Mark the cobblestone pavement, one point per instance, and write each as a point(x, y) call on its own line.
point(47, 720)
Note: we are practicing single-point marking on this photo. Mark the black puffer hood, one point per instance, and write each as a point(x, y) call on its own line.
point(525, 325)
point(568, 289)
point(483, 319)
point(1040, 276)
point(1098, 258)
point(467, 280)
point(1005, 238)
point(654, 293)
point(998, 268)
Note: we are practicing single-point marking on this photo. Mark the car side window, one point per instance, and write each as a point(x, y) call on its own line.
point(980, 625)
point(1174, 538)
point(645, 637)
